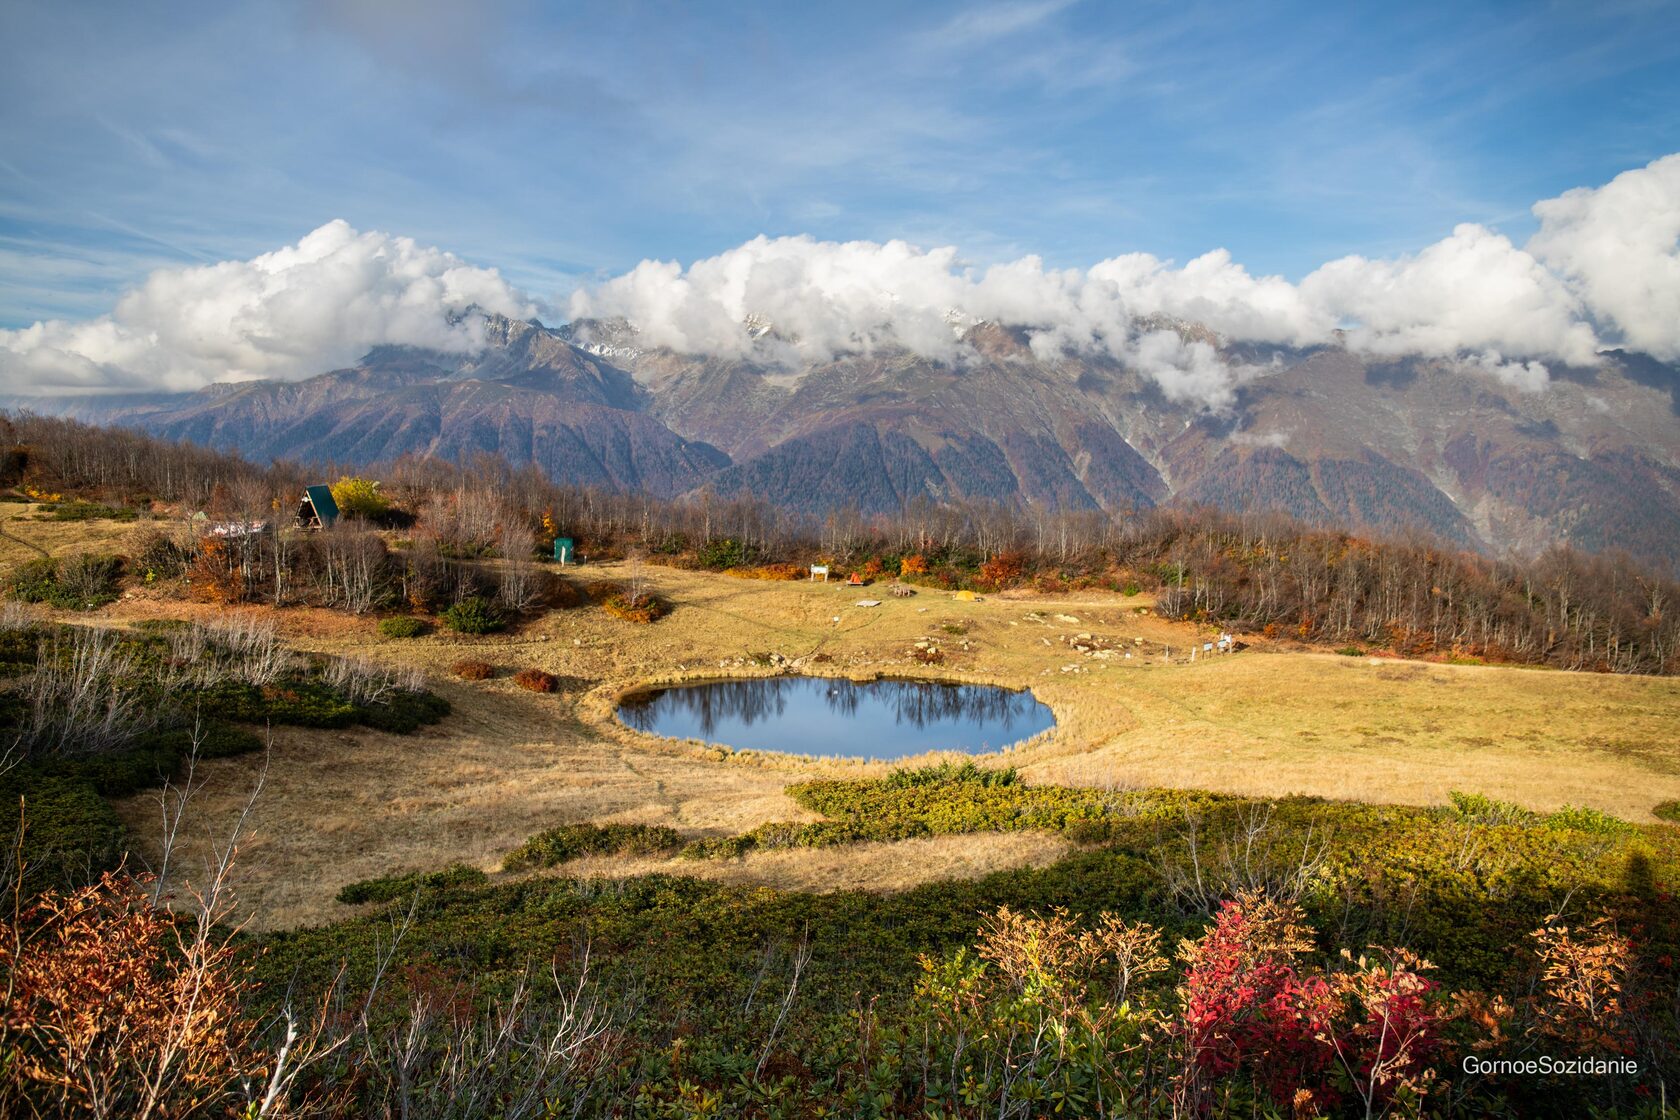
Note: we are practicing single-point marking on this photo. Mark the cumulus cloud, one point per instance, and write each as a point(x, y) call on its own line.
point(1604, 268)
point(1472, 291)
point(1471, 295)
point(290, 313)
point(1619, 247)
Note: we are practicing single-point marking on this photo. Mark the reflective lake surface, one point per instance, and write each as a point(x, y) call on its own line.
point(884, 719)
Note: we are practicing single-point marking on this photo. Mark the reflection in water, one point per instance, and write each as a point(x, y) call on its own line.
point(815, 715)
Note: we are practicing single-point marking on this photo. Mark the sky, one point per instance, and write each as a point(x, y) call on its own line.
point(565, 145)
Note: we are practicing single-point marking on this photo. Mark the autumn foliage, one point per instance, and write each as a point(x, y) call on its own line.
point(113, 1008)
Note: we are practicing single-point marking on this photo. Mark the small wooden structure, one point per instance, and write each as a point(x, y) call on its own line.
point(317, 510)
point(819, 571)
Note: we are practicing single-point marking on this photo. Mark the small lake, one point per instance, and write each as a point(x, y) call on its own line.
point(884, 719)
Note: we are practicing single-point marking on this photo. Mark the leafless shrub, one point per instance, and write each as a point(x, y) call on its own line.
point(239, 646)
point(518, 576)
point(635, 584)
point(1248, 856)
point(76, 699)
point(467, 520)
point(86, 577)
point(18, 617)
point(513, 1061)
point(351, 568)
point(366, 682)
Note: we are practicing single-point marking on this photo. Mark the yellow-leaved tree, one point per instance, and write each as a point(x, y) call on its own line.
point(359, 497)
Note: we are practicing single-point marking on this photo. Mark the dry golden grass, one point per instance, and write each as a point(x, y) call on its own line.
point(22, 538)
point(341, 806)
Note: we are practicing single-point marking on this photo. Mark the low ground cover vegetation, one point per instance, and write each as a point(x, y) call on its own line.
point(1200, 955)
point(88, 713)
point(1210, 956)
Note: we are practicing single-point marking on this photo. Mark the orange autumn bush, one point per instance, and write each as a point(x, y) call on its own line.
point(112, 1007)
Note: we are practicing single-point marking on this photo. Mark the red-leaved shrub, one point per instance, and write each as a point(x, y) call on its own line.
point(535, 680)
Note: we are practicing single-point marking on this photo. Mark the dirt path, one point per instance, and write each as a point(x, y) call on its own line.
point(6, 532)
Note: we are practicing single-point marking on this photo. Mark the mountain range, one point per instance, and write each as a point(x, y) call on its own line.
point(1326, 434)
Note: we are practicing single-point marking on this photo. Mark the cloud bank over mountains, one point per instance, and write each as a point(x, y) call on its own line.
point(288, 314)
point(1603, 269)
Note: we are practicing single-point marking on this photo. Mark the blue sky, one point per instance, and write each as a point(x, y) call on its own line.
point(565, 143)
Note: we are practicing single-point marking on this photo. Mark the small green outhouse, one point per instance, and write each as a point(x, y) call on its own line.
point(563, 550)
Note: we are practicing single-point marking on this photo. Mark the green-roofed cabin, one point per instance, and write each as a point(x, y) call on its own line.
point(317, 510)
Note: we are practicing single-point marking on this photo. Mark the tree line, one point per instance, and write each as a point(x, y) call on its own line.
point(1260, 572)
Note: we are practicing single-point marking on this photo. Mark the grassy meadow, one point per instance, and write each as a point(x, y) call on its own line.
point(1478, 857)
point(1265, 721)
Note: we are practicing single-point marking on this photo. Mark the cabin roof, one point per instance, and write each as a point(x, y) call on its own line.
point(321, 498)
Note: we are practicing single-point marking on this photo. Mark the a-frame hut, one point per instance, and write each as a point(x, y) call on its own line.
point(317, 510)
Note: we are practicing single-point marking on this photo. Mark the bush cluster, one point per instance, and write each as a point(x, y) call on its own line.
point(773, 572)
point(535, 680)
point(471, 670)
point(76, 583)
point(557, 845)
point(389, 888)
point(402, 626)
point(78, 510)
point(648, 608)
point(474, 615)
point(181, 687)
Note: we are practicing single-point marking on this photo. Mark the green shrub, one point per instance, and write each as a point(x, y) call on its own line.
point(474, 615)
point(389, 888)
point(1351, 651)
point(151, 759)
point(71, 834)
point(557, 845)
point(303, 703)
point(1667, 811)
point(1582, 819)
point(402, 626)
point(77, 510)
point(951, 773)
point(717, 847)
point(404, 711)
point(725, 552)
point(1476, 808)
point(74, 583)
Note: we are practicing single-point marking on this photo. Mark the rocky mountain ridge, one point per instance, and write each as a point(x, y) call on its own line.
point(1378, 444)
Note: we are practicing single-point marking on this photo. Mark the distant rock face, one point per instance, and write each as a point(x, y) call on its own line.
point(1379, 445)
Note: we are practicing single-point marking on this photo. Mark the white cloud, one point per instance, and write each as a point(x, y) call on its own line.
point(1471, 292)
point(1605, 257)
point(1619, 247)
point(1604, 260)
point(1528, 377)
point(292, 313)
